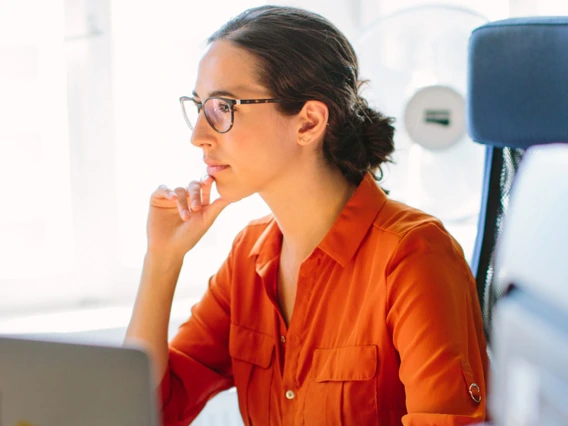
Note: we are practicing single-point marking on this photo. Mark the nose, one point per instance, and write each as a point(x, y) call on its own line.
point(203, 135)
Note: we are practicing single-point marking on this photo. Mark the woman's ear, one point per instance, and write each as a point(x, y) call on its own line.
point(313, 122)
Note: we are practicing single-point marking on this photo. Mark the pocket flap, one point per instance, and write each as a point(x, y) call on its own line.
point(250, 346)
point(344, 364)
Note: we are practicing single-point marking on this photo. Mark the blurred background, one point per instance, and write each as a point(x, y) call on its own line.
point(90, 125)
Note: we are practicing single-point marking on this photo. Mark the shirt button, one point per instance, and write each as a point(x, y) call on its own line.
point(282, 339)
point(290, 394)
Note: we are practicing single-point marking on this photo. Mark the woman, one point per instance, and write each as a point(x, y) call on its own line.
point(342, 307)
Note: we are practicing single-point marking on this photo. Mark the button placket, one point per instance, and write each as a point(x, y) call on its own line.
point(298, 326)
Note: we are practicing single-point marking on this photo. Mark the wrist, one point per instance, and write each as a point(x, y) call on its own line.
point(162, 259)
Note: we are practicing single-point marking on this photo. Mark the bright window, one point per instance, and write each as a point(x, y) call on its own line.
point(91, 125)
point(36, 227)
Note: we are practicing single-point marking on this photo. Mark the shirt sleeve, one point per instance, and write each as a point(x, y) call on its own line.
point(435, 320)
point(199, 365)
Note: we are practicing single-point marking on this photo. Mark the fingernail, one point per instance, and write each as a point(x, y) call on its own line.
point(185, 214)
point(195, 204)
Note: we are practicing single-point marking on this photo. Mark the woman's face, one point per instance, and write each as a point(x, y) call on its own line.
point(261, 146)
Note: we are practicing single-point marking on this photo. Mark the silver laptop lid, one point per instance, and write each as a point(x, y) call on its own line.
point(67, 384)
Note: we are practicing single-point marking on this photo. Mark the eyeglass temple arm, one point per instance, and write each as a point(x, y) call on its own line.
point(254, 101)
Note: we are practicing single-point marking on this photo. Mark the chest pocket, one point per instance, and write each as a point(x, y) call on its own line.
point(342, 389)
point(252, 356)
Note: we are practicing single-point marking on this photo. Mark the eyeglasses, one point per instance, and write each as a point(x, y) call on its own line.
point(219, 112)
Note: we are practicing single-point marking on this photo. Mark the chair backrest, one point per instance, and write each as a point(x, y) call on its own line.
point(517, 97)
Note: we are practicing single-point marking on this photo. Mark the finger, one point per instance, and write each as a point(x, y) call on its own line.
point(194, 190)
point(215, 208)
point(183, 208)
point(164, 192)
point(206, 185)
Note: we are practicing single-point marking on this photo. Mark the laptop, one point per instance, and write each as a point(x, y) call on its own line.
point(48, 383)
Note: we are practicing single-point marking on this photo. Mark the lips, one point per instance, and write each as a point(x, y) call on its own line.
point(214, 167)
point(214, 170)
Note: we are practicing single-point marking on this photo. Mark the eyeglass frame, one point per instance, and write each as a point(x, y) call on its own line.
point(230, 102)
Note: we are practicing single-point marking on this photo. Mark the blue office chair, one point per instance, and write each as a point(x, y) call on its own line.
point(517, 97)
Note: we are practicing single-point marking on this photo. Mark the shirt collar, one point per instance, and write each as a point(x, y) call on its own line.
point(345, 236)
point(268, 245)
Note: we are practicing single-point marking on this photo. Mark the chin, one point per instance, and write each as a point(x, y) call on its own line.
point(233, 192)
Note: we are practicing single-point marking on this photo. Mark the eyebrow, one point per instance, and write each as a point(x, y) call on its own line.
point(217, 93)
point(240, 89)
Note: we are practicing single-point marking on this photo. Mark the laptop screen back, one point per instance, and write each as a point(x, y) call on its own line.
point(53, 384)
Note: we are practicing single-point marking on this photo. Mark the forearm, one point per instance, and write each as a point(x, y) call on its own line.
point(151, 315)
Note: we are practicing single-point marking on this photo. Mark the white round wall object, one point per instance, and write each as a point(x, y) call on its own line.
point(435, 117)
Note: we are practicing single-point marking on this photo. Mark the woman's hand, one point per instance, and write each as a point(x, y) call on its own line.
point(179, 218)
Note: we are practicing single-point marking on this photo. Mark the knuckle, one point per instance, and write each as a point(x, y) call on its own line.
point(161, 189)
point(182, 202)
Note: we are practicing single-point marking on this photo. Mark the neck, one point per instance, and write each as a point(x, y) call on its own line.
point(305, 206)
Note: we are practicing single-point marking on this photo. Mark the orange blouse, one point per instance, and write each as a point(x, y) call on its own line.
point(386, 328)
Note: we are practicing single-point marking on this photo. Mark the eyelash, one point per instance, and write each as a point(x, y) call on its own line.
point(235, 109)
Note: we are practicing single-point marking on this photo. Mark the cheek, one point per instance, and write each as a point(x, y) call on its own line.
point(268, 155)
point(264, 146)
point(256, 162)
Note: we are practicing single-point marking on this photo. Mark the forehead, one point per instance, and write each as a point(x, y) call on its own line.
point(225, 66)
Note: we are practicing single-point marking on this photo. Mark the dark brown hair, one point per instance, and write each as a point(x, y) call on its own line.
point(303, 56)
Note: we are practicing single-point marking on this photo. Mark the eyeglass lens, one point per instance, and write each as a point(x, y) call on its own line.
point(217, 112)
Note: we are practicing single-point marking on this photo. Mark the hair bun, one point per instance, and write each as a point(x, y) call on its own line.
point(364, 142)
point(377, 136)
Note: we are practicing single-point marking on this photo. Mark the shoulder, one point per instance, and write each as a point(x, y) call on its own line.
point(399, 227)
point(398, 220)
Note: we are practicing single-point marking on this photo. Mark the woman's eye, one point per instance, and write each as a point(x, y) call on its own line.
point(224, 108)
